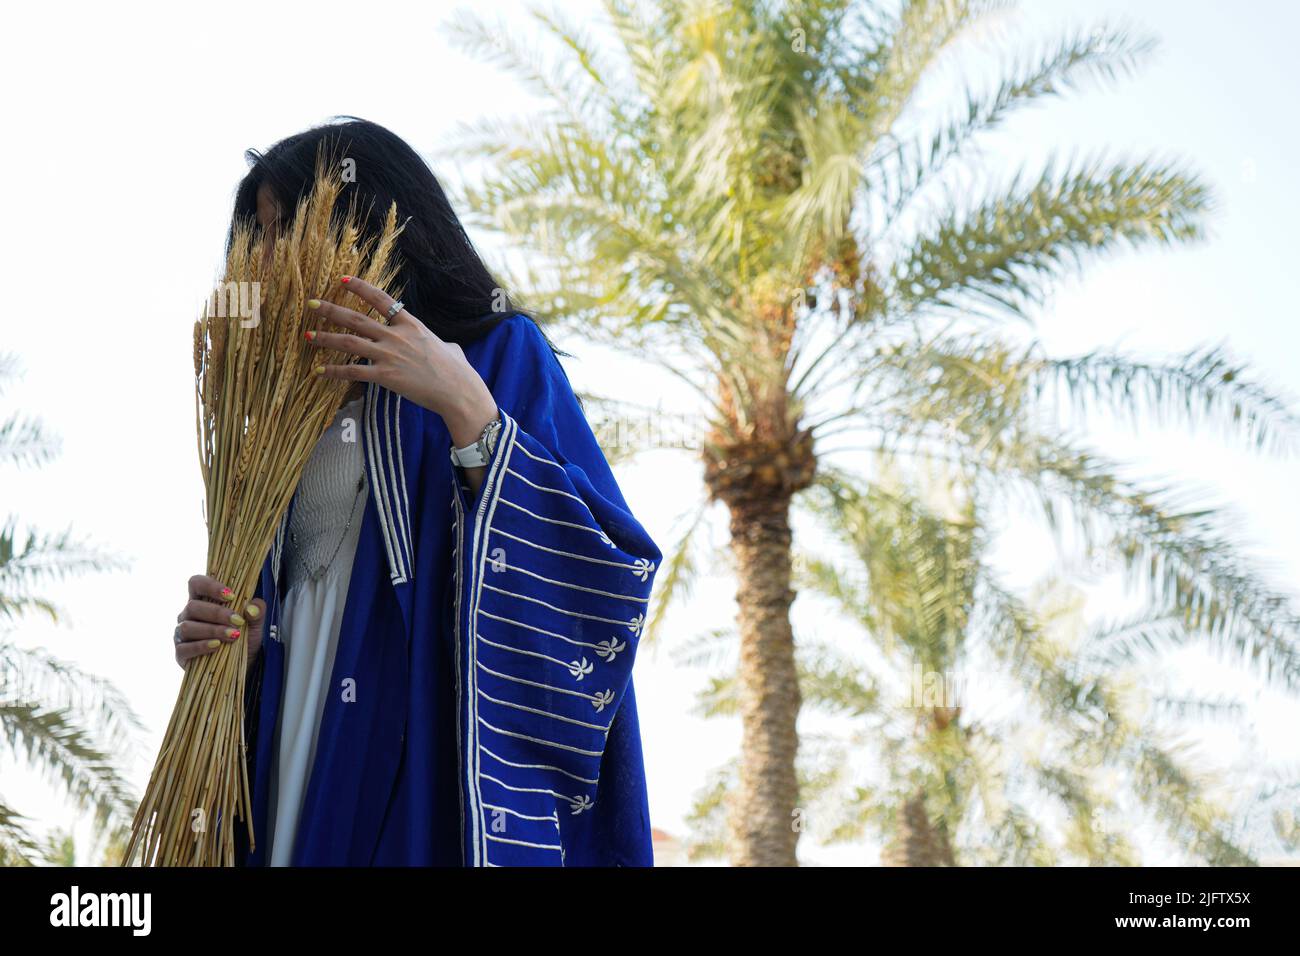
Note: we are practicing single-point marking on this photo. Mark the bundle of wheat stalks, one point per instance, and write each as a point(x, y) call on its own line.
point(260, 412)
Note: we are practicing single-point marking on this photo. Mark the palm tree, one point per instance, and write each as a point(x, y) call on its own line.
point(60, 849)
point(1066, 725)
point(753, 196)
point(70, 724)
point(1066, 719)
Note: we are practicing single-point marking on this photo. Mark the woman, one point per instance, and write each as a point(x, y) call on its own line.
point(455, 594)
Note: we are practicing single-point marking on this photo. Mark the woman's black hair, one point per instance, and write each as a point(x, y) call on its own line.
point(443, 279)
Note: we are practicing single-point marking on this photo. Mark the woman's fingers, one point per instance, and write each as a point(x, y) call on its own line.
point(354, 373)
point(209, 604)
point(363, 325)
point(203, 586)
point(376, 298)
point(205, 612)
point(354, 344)
point(188, 651)
point(199, 638)
point(362, 344)
point(256, 614)
point(207, 621)
point(201, 631)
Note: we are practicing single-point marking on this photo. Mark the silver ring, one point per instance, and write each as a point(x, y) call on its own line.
point(394, 309)
point(176, 635)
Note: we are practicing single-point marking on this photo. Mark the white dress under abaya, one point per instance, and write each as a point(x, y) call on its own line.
point(319, 550)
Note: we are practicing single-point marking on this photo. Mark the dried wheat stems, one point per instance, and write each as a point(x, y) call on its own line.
point(260, 412)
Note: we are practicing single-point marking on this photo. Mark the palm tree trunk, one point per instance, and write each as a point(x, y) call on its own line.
point(917, 841)
point(762, 821)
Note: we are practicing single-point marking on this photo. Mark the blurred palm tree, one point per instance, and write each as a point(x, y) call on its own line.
point(60, 849)
point(72, 726)
point(757, 197)
point(1065, 752)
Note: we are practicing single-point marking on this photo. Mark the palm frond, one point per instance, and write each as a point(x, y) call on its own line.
point(677, 577)
point(572, 90)
point(1101, 53)
point(58, 741)
point(35, 674)
point(39, 560)
point(1003, 254)
point(1183, 554)
point(1203, 386)
point(18, 845)
point(922, 31)
point(1190, 817)
point(24, 442)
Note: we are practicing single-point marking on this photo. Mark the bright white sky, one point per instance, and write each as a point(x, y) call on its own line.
point(127, 126)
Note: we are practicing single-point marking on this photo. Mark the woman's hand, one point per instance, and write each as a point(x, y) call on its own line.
point(409, 359)
point(208, 621)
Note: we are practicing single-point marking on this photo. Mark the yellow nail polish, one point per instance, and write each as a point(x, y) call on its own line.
point(252, 611)
point(214, 643)
point(236, 620)
point(313, 303)
point(320, 370)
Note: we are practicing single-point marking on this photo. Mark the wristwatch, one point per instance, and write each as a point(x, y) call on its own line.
point(480, 452)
